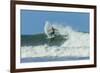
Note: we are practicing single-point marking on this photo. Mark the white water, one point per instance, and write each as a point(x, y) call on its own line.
point(76, 45)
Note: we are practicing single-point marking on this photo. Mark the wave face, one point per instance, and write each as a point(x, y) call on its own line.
point(75, 45)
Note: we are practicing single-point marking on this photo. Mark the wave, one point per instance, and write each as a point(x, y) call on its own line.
point(76, 44)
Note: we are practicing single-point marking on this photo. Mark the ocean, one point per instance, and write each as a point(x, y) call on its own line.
point(29, 41)
point(70, 45)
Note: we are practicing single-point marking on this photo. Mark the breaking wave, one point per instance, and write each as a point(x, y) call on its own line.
point(76, 44)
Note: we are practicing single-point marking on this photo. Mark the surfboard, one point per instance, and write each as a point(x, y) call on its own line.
point(49, 30)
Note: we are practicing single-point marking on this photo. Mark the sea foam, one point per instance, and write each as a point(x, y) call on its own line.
point(76, 44)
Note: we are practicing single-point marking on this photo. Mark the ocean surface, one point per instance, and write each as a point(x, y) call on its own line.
point(69, 45)
point(37, 48)
point(47, 59)
point(40, 39)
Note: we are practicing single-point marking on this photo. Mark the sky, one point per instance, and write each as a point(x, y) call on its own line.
point(33, 21)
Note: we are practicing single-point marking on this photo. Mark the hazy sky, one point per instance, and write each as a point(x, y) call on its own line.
point(32, 21)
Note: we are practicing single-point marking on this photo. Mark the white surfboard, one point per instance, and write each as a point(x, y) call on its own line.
point(48, 30)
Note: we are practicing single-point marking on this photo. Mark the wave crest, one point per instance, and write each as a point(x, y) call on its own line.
point(77, 44)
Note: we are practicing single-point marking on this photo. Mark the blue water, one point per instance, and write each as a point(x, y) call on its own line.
point(47, 59)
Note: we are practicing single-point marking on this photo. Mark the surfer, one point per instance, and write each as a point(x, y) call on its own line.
point(51, 31)
point(53, 34)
